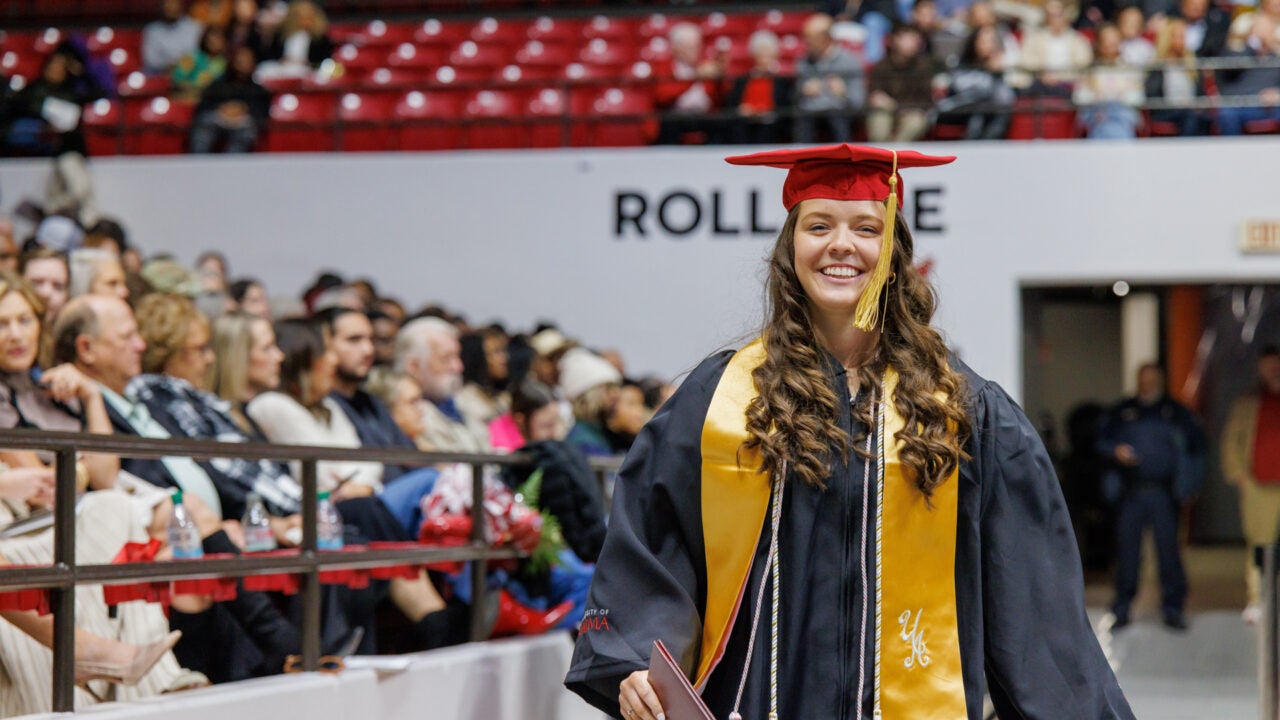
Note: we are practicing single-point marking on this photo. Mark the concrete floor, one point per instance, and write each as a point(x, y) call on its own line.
point(1206, 673)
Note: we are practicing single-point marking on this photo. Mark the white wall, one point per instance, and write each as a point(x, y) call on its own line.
point(527, 235)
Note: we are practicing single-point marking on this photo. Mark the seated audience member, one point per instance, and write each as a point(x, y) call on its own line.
point(250, 297)
point(300, 44)
point(96, 272)
point(1175, 79)
point(591, 384)
point(169, 39)
point(49, 275)
point(943, 40)
point(246, 364)
point(1135, 49)
point(1056, 54)
point(385, 328)
point(1207, 27)
point(196, 71)
point(351, 343)
point(211, 269)
point(869, 19)
point(484, 374)
point(901, 88)
point(178, 361)
point(8, 246)
point(1260, 80)
point(302, 413)
point(107, 234)
point(428, 351)
point(656, 392)
point(761, 95)
point(232, 110)
point(244, 30)
point(565, 489)
point(1242, 26)
point(231, 640)
point(43, 119)
point(830, 87)
point(1111, 92)
point(977, 91)
point(625, 417)
point(688, 87)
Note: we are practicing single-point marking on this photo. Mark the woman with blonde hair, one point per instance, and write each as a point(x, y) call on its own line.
point(841, 519)
point(300, 44)
point(1175, 80)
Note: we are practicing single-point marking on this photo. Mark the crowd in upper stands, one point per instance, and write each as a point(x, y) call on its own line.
point(890, 70)
point(96, 337)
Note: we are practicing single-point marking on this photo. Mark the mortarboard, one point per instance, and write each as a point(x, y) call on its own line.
point(848, 172)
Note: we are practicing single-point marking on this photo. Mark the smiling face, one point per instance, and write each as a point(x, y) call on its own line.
point(19, 334)
point(837, 245)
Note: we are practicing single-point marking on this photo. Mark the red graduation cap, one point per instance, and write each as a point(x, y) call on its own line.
point(848, 172)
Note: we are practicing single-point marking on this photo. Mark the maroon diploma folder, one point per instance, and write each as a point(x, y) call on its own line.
point(679, 700)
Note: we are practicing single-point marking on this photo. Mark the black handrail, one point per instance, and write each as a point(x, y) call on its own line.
point(65, 573)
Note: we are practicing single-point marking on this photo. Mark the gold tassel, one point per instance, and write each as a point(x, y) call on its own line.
point(868, 311)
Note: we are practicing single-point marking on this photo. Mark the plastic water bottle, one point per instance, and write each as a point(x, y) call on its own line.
point(258, 536)
point(184, 536)
point(328, 524)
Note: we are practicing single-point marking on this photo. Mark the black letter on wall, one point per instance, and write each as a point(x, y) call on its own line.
point(629, 212)
point(926, 210)
point(693, 223)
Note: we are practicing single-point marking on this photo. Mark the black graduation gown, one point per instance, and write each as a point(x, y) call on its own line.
point(1024, 636)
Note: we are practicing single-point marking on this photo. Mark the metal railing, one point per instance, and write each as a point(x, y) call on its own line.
point(61, 578)
point(1268, 558)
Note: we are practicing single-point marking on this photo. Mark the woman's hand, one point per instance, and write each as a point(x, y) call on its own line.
point(35, 485)
point(287, 530)
point(66, 382)
point(637, 698)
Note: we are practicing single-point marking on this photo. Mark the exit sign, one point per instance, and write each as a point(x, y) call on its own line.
point(1261, 236)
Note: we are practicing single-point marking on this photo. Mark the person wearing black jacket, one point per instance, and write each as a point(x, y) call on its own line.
point(1207, 27)
point(233, 109)
point(43, 118)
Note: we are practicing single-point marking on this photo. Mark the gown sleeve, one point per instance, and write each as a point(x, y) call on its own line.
point(1043, 659)
point(650, 580)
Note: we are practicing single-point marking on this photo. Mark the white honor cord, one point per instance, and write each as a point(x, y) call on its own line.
point(862, 559)
point(879, 420)
point(770, 562)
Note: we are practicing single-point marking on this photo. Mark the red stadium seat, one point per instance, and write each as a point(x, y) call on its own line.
point(555, 30)
point(449, 75)
point(422, 60)
point(537, 53)
point(547, 110)
point(364, 121)
point(101, 124)
point(657, 25)
point(735, 26)
point(301, 123)
point(1042, 119)
point(434, 32)
point(360, 59)
point(610, 28)
point(491, 31)
point(105, 39)
point(427, 121)
point(379, 33)
point(579, 72)
point(139, 83)
point(47, 40)
point(25, 65)
point(658, 49)
point(392, 77)
point(124, 61)
point(157, 127)
point(471, 54)
point(783, 23)
point(605, 52)
point(611, 117)
point(494, 116)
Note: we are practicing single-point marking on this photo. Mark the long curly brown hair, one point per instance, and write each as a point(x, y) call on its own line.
point(791, 418)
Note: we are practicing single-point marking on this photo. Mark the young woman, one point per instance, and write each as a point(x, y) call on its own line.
point(812, 521)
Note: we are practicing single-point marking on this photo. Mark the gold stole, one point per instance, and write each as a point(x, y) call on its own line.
point(918, 660)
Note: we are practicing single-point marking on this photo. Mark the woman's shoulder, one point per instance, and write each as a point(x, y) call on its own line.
point(273, 404)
